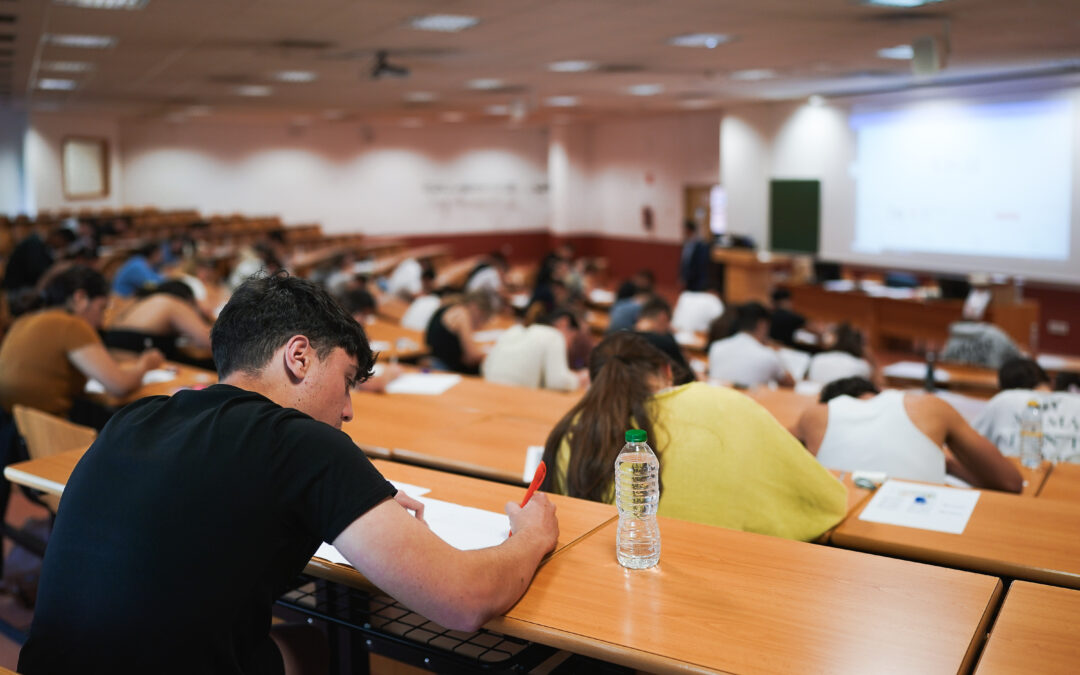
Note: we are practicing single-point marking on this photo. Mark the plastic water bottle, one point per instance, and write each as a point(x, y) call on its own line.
point(637, 493)
point(1031, 435)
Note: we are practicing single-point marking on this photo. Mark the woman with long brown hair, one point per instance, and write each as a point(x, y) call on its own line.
point(724, 460)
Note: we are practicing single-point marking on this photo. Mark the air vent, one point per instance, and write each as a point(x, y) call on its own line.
point(906, 17)
point(229, 78)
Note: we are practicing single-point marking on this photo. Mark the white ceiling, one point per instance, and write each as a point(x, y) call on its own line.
point(173, 54)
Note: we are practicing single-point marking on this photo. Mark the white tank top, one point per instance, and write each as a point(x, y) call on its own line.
point(877, 435)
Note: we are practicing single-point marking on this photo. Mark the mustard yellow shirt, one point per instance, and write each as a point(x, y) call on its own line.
point(724, 460)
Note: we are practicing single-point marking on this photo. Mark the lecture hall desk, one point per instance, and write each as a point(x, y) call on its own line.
point(1035, 632)
point(1008, 535)
point(729, 601)
point(1062, 483)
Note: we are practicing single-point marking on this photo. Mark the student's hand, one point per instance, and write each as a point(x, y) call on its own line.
point(150, 359)
point(538, 517)
point(410, 504)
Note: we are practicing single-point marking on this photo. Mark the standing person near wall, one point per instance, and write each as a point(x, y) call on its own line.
point(694, 263)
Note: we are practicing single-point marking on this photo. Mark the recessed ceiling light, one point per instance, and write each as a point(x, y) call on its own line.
point(411, 122)
point(445, 23)
point(333, 114)
point(198, 110)
point(753, 74)
point(452, 116)
point(254, 90)
point(706, 40)
point(497, 110)
point(84, 41)
point(294, 76)
point(103, 4)
point(420, 96)
point(176, 117)
point(645, 89)
point(301, 120)
point(67, 66)
point(484, 83)
point(816, 101)
point(561, 101)
point(899, 3)
point(571, 66)
point(55, 84)
point(696, 103)
point(898, 53)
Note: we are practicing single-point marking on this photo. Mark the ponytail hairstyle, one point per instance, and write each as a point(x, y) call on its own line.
point(621, 369)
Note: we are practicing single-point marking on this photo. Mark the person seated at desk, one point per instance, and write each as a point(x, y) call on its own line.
point(972, 340)
point(629, 297)
point(252, 475)
point(489, 275)
point(857, 427)
point(419, 311)
point(536, 356)
point(48, 355)
point(361, 306)
point(654, 324)
point(744, 359)
point(162, 318)
point(724, 460)
point(848, 356)
point(1022, 380)
point(139, 270)
point(449, 334)
point(785, 321)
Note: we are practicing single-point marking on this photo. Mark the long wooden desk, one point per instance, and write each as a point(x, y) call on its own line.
point(399, 342)
point(1035, 632)
point(186, 376)
point(735, 602)
point(1062, 483)
point(1008, 535)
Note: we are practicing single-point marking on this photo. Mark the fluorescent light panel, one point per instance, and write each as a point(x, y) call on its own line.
point(420, 96)
point(645, 89)
point(897, 53)
point(497, 110)
point(484, 83)
point(453, 116)
point(906, 4)
point(295, 76)
point(706, 40)
point(81, 41)
point(753, 74)
point(103, 4)
point(53, 84)
point(571, 66)
point(444, 23)
point(254, 90)
point(561, 101)
point(67, 66)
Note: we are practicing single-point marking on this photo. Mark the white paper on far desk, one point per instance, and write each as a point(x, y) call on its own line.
point(533, 455)
point(155, 376)
point(912, 370)
point(431, 384)
point(488, 335)
point(463, 527)
point(924, 507)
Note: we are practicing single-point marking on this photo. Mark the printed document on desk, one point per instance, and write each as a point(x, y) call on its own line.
point(463, 527)
point(924, 507)
point(156, 376)
point(431, 384)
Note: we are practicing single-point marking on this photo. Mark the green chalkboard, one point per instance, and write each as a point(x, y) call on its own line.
point(794, 215)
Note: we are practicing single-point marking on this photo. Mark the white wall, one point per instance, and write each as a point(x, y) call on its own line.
point(642, 162)
point(380, 180)
point(12, 187)
point(44, 171)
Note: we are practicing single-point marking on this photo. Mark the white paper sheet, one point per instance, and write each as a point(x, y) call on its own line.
point(533, 455)
point(912, 370)
point(924, 507)
point(380, 346)
point(1052, 361)
point(463, 527)
point(687, 338)
point(519, 300)
point(155, 376)
point(431, 384)
point(487, 335)
point(794, 361)
point(601, 296)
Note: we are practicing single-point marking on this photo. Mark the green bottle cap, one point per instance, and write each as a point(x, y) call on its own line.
point(635, 435)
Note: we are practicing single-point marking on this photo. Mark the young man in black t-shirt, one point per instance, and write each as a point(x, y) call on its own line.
point(190, 515)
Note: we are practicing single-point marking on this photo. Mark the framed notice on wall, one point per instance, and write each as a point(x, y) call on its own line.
point(86, 168)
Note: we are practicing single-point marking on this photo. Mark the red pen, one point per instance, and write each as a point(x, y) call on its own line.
point(538, 477)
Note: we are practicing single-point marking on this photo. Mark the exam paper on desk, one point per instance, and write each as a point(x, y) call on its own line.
point(431, 384)
point(155, 376)
point(924, 507)
point(463, 527)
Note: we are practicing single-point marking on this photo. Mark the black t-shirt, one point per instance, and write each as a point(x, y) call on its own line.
point(445, 344)
point(183, 523)
point(784, 324)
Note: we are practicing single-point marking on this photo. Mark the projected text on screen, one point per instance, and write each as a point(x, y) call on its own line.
point(979, 180)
